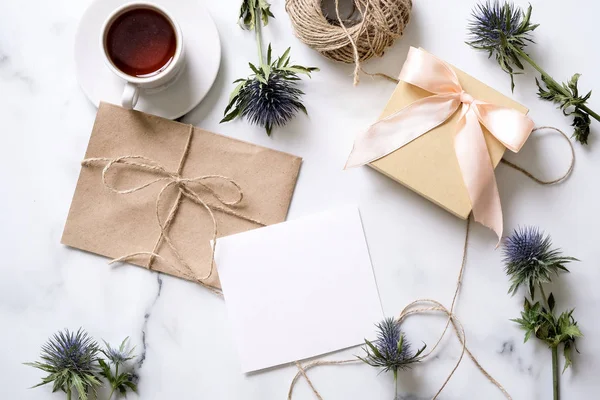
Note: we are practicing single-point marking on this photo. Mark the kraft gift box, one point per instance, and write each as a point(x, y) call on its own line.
point(428, 165)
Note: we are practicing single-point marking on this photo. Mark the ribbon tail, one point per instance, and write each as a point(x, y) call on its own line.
point(402, 127)
point(478, 172)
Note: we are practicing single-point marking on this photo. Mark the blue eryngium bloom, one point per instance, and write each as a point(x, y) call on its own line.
point(271, 103)
point(118, 355)
point(530, 259)
point(270, 97)
point(501, 30)
point(70, 358)
point(390, 351)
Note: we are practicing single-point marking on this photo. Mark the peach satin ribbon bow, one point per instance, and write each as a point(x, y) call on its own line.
point(509, 126)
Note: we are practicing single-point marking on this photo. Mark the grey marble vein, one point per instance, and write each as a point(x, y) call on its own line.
point(147, 315)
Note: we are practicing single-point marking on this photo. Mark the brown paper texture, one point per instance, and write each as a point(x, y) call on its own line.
point(114, 225)
point(428, 165)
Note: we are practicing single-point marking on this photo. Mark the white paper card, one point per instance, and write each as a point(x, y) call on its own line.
point(298, 289)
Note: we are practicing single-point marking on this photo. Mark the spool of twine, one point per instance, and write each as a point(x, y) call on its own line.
point(378, 25)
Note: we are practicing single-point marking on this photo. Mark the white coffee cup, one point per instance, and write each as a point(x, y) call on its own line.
point(156, 82)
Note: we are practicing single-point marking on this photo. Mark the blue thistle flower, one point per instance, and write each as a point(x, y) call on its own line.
point(271, 103)
point(270, 97)
point(503, 30)
point(388, 337)
point(390, 351)
point(118, 355)
point(71, 360)
point(530, 260)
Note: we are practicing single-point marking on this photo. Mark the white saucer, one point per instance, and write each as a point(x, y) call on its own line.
point(202, 52)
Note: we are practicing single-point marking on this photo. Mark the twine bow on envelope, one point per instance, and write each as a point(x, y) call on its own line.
point(509, 126)
point(187, 188)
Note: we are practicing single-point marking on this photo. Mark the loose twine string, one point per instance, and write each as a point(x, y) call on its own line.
point(382, 22)
point(185, 190)
point(430, 305)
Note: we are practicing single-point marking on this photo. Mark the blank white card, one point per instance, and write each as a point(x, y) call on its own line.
point(298, 289)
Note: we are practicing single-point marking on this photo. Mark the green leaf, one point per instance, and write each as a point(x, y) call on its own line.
point(131, 386)
point(373, 348)
point(46, 380)
point(551, 301)
point(105, 370)
point(526, 304)
point(526, 19)
point(281, 60)
point(302, 108)
point(265, 16)
point(567, 354)
point(269, 54)
point(231, 115)
point(266, 68)
point(78, 384)
point(572, 331)
point(254, 69)
point(400, 343)
point(261, 79)
point(572, 85)
point(236, 91)
point(420, 351)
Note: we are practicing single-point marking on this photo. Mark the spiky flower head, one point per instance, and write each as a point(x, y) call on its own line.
point(271, 101)
point(118, 355)
point(530, 259)
point(270, 97)
point(390, 351)
point(70, 358)
point(502, 30)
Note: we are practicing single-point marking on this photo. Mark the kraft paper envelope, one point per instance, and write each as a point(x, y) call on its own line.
point(114, 225)
point(428, 165)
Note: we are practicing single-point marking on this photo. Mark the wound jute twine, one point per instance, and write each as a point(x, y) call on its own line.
point(188, 188)
point(426, 306)
point(381, 23)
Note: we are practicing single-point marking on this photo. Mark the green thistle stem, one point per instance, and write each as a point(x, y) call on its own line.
point(395, 384)
point(113, 385)
point(69, 393)
point(555, 372)
point(526, 57)
point(257, 29)
point(553, 348)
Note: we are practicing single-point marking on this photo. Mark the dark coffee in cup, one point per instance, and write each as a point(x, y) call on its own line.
point(141, 42)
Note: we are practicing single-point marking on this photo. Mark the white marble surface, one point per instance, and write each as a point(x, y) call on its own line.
point(181, 329)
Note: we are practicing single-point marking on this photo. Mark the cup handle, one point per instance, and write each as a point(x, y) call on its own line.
point(130, 96)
